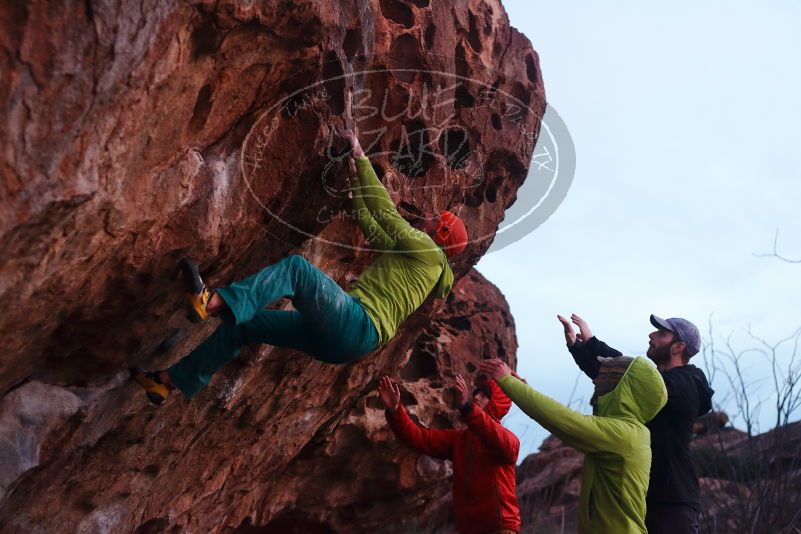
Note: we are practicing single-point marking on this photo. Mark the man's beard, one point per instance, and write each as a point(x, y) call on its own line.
point(659, 355)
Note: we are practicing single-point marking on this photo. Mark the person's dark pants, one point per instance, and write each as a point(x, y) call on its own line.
point(327, 323)
point(671, 518)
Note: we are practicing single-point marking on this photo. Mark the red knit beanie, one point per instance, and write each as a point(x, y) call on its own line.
point(451, 234)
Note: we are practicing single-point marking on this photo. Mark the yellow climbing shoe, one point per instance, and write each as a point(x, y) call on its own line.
point(156, 391)
point(199, 294)
point(197, 305)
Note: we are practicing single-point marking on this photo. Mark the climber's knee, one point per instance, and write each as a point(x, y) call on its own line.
point(299, 266)
point(297, 261)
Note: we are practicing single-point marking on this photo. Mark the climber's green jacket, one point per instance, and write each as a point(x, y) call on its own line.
point(410, 266)
point(616, 443)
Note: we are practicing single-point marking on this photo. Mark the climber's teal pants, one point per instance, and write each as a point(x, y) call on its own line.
point(326, 323)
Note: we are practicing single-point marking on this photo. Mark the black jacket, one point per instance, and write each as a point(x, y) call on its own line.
point(673, 477)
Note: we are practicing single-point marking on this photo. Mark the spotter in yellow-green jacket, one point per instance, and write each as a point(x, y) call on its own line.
point(615, 441)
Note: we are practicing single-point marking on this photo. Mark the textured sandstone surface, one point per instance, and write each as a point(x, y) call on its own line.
point(134, 133)
point(548, 486)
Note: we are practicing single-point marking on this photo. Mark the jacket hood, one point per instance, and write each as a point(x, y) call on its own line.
point(639, 395)
point(705, 392)
point(499, 404)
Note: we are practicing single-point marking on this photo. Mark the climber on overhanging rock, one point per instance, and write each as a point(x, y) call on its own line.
point(328, 323)
point(484, 455)
point(617, 446)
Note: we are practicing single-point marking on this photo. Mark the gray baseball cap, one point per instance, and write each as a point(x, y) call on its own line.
point(685, 331)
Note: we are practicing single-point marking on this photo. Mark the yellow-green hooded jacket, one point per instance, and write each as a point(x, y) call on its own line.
point(614, 479)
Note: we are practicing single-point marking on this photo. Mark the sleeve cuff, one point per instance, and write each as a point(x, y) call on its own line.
point(575, 347)
point(394, 412)
point(505, 381)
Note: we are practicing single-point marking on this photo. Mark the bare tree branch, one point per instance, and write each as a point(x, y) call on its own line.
point(775, 253)
point(573, 391)
point(753, 483)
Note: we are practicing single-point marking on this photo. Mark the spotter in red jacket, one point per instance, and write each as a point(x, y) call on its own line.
point(484, 457)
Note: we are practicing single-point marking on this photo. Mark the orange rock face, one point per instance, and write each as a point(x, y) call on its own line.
point(134, 135)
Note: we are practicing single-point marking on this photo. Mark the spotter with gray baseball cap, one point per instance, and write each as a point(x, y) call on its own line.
point(673, 503)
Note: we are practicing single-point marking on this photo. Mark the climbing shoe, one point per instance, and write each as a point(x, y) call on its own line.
point(156, 391)
point(199, 294)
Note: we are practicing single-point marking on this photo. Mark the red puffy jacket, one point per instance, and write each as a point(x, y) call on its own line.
point(484, 456)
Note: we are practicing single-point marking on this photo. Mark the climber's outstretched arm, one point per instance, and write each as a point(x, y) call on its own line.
point(375, 235)
point(382, 209)
point(379, 203)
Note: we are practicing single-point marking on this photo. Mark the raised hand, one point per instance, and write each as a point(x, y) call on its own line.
point(350, 138)
point(351, 166)
point(585, 334)
point(461, 387)
point(495, 368)
point(389, 393)
point(570, 334)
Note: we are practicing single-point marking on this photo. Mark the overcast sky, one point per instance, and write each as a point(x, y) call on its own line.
point(686, 120)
